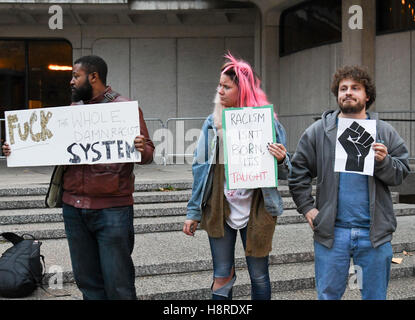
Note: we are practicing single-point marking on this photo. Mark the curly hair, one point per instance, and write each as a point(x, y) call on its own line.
point(358, 74)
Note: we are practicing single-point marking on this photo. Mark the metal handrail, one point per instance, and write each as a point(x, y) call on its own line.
point(180, 119)
point(163, 155)
point(155, 119)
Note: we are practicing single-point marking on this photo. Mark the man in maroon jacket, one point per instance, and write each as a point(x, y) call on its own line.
point(98, 202)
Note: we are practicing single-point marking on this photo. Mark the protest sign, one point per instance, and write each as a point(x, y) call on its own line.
point(354, 151)
point(248, 163)
point(78, 134)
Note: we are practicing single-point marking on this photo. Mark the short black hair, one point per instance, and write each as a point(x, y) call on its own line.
point(94, 64)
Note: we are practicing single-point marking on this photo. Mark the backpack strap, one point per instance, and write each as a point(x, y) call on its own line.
point(110, 96)
point(12, 237)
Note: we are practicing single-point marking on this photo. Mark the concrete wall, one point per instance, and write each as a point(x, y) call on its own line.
point(177, 77)
point(172, 70)
point(172, 66)
point(395, 76)
point(169, 62)
point(170, 77)
point(305, 79)
point(393, 72)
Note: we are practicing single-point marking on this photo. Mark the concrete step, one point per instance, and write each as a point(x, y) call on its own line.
point(55, 230)
point(290, 281)
point(18, 216)
point(148, 197)
point(41, 189)
point(32, 215)
point(38, 201)
point(34, 196)
point(398, 289)
point(163, 253)
point(284, 277)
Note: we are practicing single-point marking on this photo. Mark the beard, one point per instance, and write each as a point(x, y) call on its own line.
point(83, 93)
point(346, 108)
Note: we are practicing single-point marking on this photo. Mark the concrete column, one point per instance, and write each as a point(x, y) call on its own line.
point(258, 43)
point(270, 60)
point(267, 52)
point(359, 45)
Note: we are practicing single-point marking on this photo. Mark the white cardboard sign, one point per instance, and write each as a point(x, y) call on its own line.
point(354, 151)
point(77, 134)
point(248, 163)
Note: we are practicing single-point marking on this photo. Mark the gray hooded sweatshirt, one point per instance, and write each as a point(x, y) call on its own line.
point(314, 158)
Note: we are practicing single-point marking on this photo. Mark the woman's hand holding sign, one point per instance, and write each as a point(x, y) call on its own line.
point(277, 150)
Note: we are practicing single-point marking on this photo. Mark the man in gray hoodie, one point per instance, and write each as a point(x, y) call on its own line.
point(352, 216)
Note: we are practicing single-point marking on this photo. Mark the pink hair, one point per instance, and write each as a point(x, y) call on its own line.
point(250, 93)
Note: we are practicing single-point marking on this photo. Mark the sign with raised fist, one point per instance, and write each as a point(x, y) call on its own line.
point(354, 151)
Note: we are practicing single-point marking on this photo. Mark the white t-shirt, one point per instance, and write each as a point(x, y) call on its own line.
point(240, 204)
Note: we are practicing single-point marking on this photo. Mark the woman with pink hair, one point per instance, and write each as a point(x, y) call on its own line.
point(222, 212)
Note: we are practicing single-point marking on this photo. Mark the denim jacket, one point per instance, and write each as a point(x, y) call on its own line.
point(204, 158)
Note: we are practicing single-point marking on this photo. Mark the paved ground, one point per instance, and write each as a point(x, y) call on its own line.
point(144, 173)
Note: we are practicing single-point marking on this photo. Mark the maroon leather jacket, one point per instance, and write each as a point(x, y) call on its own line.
point(101, 186)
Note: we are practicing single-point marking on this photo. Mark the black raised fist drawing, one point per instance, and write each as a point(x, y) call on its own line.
point(357, 142)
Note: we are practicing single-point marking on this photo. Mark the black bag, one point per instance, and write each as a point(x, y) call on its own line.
point(20, 267)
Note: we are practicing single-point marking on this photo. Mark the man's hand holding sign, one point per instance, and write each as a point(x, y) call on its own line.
point(6, 149)
point(381, 151)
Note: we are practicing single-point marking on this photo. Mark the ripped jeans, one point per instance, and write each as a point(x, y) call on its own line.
point(223, 255)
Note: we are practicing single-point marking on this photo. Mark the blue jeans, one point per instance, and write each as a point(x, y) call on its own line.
point(223, 255)
point(372, 265)
point(100, 244)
